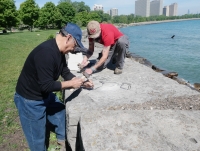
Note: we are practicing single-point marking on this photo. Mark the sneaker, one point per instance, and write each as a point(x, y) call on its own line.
point(117, 71)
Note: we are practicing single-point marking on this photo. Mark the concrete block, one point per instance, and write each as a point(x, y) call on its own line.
point(141, 130)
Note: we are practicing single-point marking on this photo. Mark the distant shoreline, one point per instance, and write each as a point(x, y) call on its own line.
point(154, 22)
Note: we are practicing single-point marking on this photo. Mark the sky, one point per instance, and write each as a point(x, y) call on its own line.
point(127, 7)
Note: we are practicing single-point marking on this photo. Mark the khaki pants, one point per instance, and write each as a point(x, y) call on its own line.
point(119, 50)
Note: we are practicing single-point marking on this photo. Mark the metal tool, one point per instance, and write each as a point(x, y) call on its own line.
point(86, 75)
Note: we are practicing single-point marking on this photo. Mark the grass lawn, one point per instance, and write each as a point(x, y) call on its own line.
point(14, 48)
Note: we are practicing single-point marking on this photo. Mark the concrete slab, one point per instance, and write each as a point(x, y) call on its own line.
point(137, 88)
point(141, 130)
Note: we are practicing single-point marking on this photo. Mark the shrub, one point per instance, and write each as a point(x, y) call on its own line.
point(50, 37)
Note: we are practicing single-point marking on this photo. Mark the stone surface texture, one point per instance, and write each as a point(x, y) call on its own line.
point(141, 130)
point(139, 109)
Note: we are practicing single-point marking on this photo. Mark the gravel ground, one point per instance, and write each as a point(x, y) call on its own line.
point(177, 103)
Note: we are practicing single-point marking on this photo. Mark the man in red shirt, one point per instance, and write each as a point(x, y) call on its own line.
point(115, 43)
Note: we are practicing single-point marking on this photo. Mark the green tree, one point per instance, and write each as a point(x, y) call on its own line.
point(29, 12)
point(106, 17)
point(139, 19)
point(116, 19)
point(123, 19)
point(8, 13)
point(130, 18)
point(100, 14)
point(67, 12)
point(81, 18)
point(80, 7)
point(93, 16)
point(49, 15)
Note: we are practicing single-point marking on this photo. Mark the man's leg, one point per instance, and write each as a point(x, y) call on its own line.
point(110, 55)
point(57, 116)
point(122, 47)
point(33, 120)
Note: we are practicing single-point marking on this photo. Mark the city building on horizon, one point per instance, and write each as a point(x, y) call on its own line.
point(142, 8)
point(156, 7)
point(113, 12)
point(145, 8)
point(166, 11)
point(97, 7)
point(173, 9)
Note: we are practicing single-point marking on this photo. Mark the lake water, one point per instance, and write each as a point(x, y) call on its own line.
point(180, 54)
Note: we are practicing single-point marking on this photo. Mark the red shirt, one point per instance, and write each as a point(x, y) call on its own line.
point(109, 34)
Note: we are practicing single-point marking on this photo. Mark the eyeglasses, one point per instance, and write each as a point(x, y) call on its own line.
point(75, 44)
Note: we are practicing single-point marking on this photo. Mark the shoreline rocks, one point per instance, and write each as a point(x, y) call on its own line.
point(170, 74)
point(197, 86)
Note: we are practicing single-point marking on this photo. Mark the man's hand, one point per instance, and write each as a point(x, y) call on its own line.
point(102, 60)
point(77, 82)
point(88, 84)
point(89, 71)
point(84, 62)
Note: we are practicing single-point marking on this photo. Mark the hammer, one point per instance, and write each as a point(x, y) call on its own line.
point(85, 77)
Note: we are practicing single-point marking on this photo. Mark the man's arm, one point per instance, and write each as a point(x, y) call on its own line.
point(89, 52)
point(91, 48)
point(73, 83)
point(105, 53)
point(104, 57)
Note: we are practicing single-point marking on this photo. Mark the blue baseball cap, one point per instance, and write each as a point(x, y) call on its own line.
point(75, 31)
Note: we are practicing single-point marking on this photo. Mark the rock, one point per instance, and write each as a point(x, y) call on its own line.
point(139, 59)
point(197, 86)
point(179, 80)
point(169, 74)
point(157, 69)
point(129, 54)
